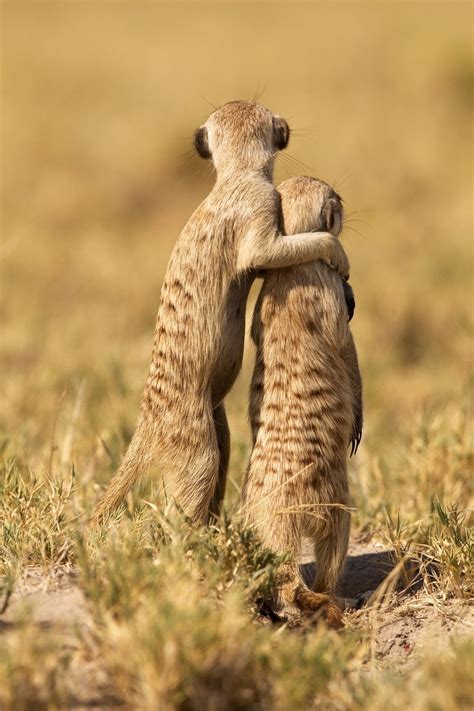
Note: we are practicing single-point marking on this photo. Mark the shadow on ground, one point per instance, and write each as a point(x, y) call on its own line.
point(363, 572)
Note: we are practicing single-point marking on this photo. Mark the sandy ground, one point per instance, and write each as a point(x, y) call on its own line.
point(405, 625)
point(56, 603)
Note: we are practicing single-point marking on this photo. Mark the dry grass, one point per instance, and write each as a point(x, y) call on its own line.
point(99, 103)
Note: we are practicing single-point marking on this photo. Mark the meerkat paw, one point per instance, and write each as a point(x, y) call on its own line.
point(320, 606)
point(293, 617)
point(338, 259)
point(332, 615)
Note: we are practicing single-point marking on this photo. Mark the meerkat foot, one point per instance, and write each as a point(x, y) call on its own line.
point(324, 606)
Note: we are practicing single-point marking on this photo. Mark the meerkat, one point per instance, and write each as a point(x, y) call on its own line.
point(200, 326)
point(305, 409)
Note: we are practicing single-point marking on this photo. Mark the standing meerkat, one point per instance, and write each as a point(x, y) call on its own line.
point(305, 409)
point(200, 325)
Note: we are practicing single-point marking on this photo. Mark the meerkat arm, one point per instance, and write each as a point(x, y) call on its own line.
point(257, 252)
point(352, 363)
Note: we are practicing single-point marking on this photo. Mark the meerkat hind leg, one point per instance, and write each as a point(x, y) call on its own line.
point(196, 471)
point(294, 599)
point(330, 552)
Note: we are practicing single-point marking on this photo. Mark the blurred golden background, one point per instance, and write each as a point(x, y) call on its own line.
point(100, 101)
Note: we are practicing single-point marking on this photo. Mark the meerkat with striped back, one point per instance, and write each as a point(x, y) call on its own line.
point(305, 409)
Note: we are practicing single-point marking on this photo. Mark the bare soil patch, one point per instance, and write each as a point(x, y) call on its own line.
point(409, 621)
point(56, 604)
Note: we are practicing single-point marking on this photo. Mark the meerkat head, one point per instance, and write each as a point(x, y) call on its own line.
point(242, 135)
point(310, 205)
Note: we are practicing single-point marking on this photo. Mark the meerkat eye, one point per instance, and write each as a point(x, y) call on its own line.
point(281, 133)
point(201, 142)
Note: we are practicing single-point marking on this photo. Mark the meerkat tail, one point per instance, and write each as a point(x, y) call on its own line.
point(137, 460)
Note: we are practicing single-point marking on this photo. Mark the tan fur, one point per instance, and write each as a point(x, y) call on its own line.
point(200, 326)
point(305, 408)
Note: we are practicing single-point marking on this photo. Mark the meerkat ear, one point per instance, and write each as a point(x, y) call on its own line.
point(329, 215)
point(332, 216)
point(281, 133)
point(201, 143)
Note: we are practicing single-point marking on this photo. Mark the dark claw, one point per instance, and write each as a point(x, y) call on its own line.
point(358, 441)
point(349, 297)
point(354, 443)
point(266, 611)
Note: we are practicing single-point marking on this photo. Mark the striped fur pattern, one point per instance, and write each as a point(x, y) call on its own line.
point(200, 325)
point(305, 409)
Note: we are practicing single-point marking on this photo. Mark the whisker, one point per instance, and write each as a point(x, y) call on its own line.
point(259, 92)
point(295, 163)
point(303, 132)
point(352, 220)
point(342, 176)
point(350, 231)
point(286, 171)
point(208, 101)
point(187, 158)
point(356, 212)
point(185, 154)
point(289, 169)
